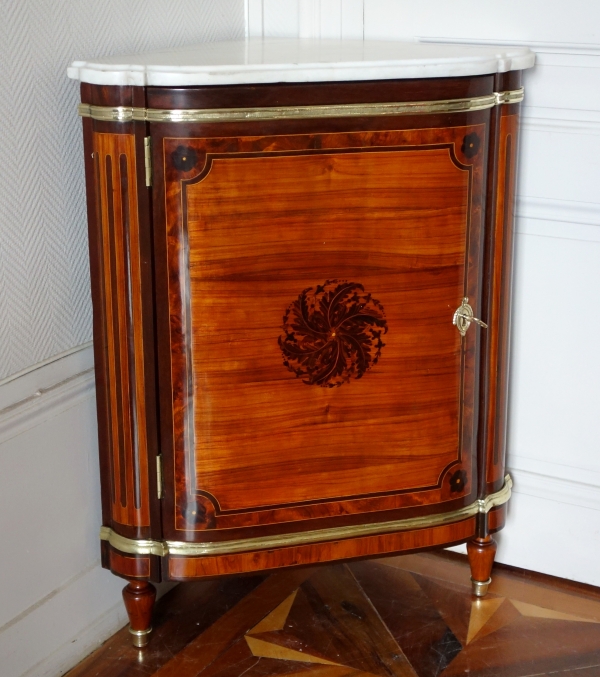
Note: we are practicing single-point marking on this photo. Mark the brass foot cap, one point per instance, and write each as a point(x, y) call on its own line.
point(480, 588)
point(140, 638)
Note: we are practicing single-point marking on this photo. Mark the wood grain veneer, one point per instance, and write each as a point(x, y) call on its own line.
point(182, 568)
point(500, 299)
point(312, 94)
point(259, 228)
point(122, 303)
point(128, 566)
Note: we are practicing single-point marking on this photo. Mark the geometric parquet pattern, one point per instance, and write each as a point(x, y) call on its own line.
point(410, 616)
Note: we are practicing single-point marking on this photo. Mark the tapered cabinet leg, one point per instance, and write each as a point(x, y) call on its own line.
point(481, 552)
point(139, 599)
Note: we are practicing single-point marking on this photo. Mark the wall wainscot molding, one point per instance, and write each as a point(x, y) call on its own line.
point(560, 121)
point(44, 391)
point(20, 386)
point(554, 482)
point(564, 211)
point(561, 219)
point(557, 229)
point(571, 48)
point(571, 496)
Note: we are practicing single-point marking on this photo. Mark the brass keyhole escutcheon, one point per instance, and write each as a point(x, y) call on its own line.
point(463, 316)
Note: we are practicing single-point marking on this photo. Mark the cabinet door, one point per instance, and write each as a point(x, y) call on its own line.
point(310, 371)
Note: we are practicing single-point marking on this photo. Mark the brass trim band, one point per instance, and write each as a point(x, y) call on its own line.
point(133, 546)
point(128, 114)
point(110, 114)
point(511, 96)
point(163, 548)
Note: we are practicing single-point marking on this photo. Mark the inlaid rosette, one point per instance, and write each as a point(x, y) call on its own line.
point(332, 333)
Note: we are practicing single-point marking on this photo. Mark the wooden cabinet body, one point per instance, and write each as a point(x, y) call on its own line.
point(281, 379)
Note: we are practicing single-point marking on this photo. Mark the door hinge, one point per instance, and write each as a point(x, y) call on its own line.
point(159, 477)
point(148, 159)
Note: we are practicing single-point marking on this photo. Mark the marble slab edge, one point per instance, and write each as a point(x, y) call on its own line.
point(188, 66)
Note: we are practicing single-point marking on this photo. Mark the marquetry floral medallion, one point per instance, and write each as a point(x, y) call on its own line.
point(332, 333)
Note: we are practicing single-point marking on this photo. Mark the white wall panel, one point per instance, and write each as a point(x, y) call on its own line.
point(523, 20)
point(44, 280)
point(561, 539)
point(352, 19)
point(559, 165)
point(57, 603)
point(53, 590)
point(556, 361)
point(575, 83)
point(254, 19)
point(49, 501)
point(280, 17)
point(306, 18)
point(309, 19)
point(331, 19)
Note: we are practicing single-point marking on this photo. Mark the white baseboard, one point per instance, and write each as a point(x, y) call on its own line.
point(551, 537)
point(90, 611)
point(53, 635)
point(552, 517)
point(59, 631)
point(79, 647)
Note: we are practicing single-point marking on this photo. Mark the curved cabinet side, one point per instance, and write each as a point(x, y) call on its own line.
point(500, 298)
point(121, 275)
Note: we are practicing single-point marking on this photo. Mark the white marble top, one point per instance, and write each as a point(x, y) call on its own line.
point(298, 60)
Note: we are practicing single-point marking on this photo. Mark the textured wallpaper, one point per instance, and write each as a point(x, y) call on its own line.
point(45, 305)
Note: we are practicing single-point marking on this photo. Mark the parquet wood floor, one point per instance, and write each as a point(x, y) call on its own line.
point(410, 616)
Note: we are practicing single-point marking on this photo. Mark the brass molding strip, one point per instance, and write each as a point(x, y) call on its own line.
point(127, 114)
point(110, 114)
point(162, 548)
point(133, 546)
point(511, 96)
point(305, 112)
